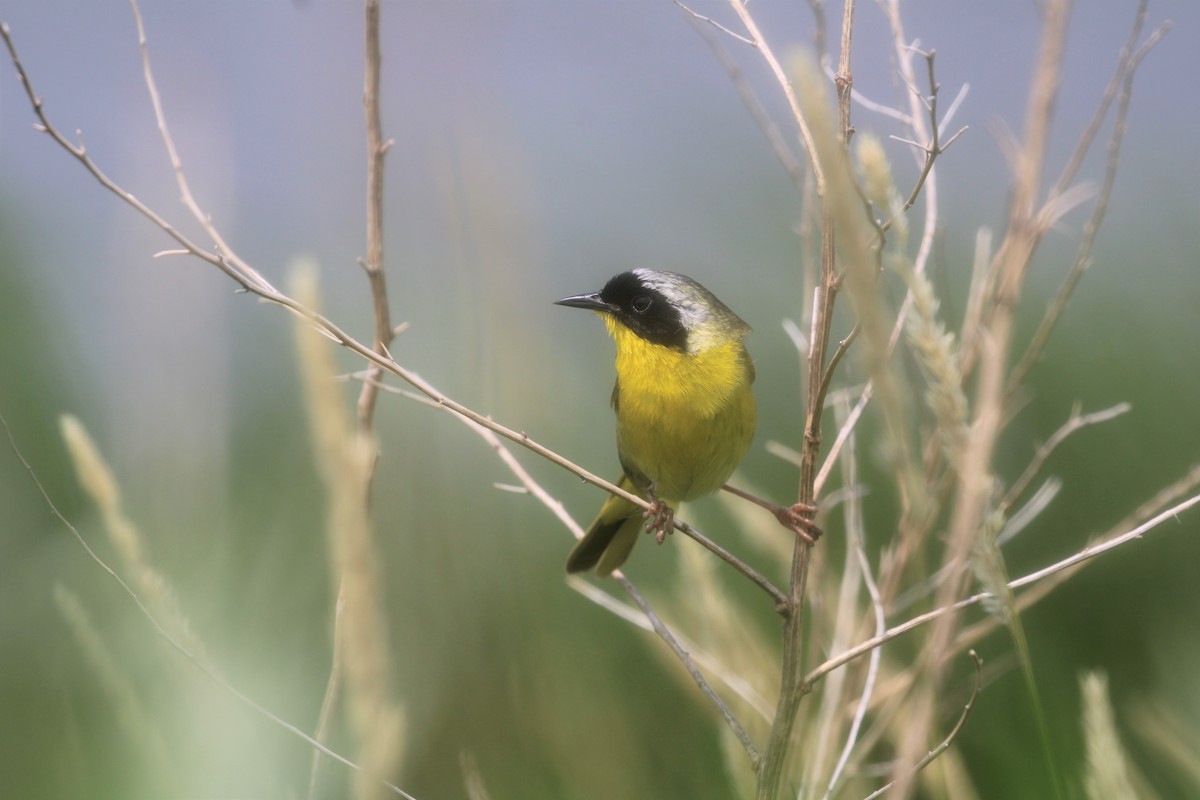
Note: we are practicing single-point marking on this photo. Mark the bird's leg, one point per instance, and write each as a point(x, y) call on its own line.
point(797, 518)
point(659, 517)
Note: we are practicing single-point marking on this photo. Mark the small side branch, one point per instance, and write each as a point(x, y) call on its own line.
point(950, 737)
point(935, 147)
point(185, 191)
point(1074, 423)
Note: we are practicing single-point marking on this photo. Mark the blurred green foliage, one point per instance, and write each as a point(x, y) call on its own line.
point(494, 654)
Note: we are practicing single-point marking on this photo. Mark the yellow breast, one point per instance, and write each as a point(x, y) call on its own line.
point(684, 420)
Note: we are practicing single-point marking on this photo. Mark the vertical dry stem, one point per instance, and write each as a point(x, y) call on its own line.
point(791, 684)
point(376, 150)
point(384, 333)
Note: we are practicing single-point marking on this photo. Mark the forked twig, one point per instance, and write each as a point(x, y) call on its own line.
point(935, 147)
point(1074, 423)
point(185, 191)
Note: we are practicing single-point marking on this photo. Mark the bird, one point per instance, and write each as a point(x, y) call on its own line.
point(684, 405)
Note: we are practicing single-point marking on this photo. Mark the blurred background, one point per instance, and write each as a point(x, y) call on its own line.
point(539, 148)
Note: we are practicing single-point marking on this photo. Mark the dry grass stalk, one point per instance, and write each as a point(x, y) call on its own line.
point(1107, 775)
point(974, 490)
point(345, 459)
point(151, 586)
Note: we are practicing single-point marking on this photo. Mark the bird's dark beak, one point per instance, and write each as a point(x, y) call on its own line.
point(590, 301)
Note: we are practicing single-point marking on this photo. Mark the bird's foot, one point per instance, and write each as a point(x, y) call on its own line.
point(799, 520)
point(660, 518)
point(796, 518)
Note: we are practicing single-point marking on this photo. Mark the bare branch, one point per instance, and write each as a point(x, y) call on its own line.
point(384, 333)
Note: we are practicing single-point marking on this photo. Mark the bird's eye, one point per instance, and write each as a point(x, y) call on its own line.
point(641, 304)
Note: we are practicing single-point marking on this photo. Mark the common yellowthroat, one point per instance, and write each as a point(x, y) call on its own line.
point(685, 409)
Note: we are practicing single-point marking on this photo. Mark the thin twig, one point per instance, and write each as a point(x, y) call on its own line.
point(950, 737)
point(857, 538)
point(791, 686)
point(634, 616)
point(739, 8)
point(746, 92)
point(185, 191)
point(79, 152)
point(1074, 423)
point(1087, 553)
point(384, 333)
point(665, 634)
point(709, 20)
point(904, 58)
point(376, 150)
